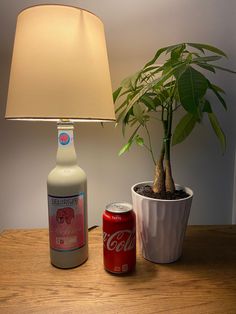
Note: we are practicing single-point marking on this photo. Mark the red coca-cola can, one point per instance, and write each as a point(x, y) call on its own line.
point(119, 238)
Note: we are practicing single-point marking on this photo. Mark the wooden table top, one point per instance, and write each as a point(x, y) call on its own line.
point(202, 281)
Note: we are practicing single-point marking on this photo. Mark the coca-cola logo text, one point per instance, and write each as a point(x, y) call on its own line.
point(121, 240)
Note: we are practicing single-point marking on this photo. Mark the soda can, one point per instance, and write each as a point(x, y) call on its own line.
point(119, 238)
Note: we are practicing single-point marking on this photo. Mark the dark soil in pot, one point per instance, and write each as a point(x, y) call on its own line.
point(146, 190)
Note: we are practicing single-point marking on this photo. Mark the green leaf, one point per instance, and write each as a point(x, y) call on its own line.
point(173, 47)
point(157, 55)
point(208, 47)
point(206, 59)
point(168, 66)
point(183, 128)
point(215, 91)
point(177, 52)
point(223, 69)
point(138, 112)
point(196, 46)
point(148, 70)
point(192, 86)
point(134, 133)
point(125, 148)
point(152, 73)
point(130, 81)
point(139, 140)
point(158, 82)
point(218, 88)
point(127, 91)
point(159, 52)
point(206, 66)
point(121, 116)
point(133, 122)
point(218, 131)
point(125, 83)
point(124, 116)
point(126, 101)
point(157, 102)
point(179, 71)
point(207, 107)
point(149, 102)
point(123, 128)
point(116, 93)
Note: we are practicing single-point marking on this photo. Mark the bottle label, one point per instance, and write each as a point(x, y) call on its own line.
point(65, 138)
point(66, 222)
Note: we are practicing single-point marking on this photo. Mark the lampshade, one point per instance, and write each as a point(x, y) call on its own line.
point(59, 66)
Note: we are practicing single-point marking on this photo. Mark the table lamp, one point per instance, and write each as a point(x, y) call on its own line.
point(60, 73)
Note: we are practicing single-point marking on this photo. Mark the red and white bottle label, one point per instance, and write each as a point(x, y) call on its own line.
point(65, 139)
point(66, 222)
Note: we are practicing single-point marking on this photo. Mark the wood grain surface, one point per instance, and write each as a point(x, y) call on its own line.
point(202, 281)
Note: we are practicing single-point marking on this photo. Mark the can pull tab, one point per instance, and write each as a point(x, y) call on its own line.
point(118, 208)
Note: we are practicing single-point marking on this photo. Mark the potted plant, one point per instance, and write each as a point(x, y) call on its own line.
point(157, 91)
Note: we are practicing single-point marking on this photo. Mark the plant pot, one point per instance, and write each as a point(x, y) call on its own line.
point(161, 225)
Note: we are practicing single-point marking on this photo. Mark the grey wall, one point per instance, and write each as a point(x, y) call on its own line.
point(134, 30)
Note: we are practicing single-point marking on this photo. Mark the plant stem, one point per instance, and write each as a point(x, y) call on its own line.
point(159, 179)
point(169, 182)
point(150, 145)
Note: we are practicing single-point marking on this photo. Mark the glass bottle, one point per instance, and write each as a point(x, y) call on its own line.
point(67, 204)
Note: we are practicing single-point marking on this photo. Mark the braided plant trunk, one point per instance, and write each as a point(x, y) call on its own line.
point(163, 181)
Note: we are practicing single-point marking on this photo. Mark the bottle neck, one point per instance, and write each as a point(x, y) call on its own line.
point(66, 155)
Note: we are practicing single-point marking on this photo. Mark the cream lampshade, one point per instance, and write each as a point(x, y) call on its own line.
point(60, 72)
point(59, 66)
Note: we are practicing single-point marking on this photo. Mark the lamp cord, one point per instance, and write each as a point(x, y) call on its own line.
point(93, 227)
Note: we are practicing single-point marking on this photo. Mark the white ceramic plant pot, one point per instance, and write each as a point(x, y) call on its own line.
point(161, 225)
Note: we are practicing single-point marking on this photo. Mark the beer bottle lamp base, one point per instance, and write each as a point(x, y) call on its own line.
point(67, 204)
point(60, 72)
